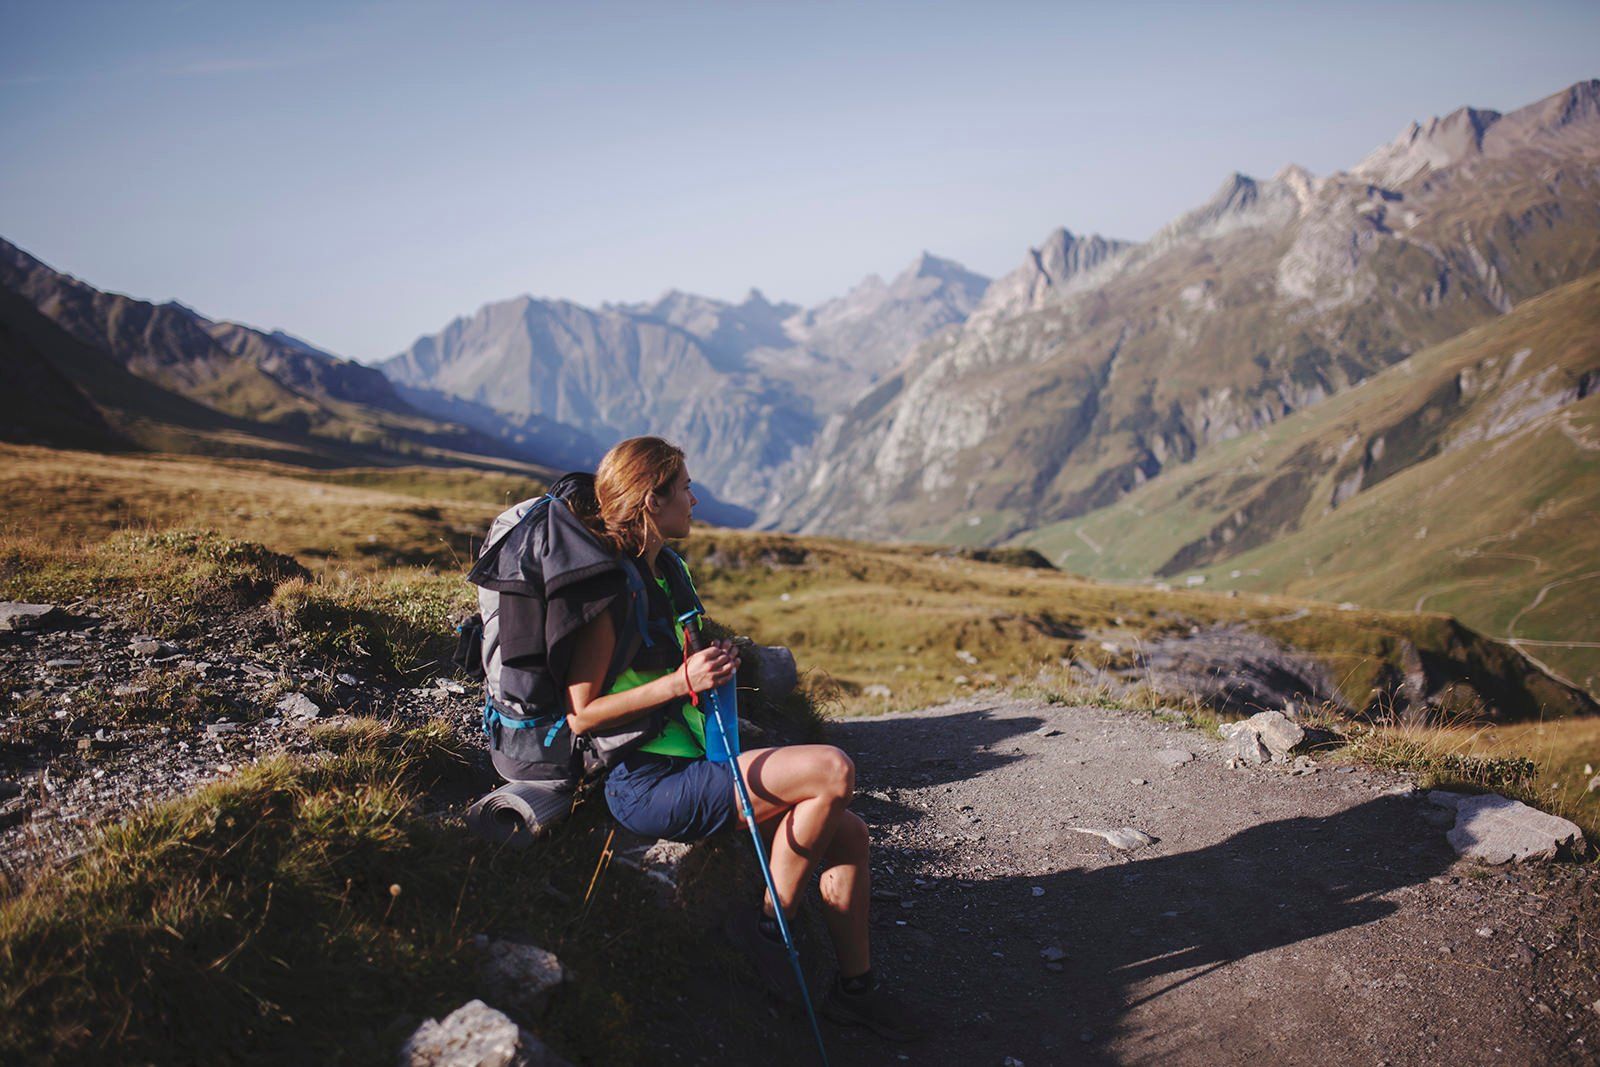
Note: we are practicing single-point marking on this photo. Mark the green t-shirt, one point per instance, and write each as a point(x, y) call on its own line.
point(678, 737)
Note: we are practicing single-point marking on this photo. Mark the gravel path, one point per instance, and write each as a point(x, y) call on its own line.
point(1312, 919)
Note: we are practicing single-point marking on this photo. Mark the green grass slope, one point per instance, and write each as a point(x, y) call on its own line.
point(1465, 480)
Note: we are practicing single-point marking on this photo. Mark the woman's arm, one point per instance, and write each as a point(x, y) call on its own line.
point(590, 708)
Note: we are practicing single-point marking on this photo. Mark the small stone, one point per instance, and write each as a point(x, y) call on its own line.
point(217, 729)
point(1053, 954)
point(1527, 955)
point(476, 1035)
point(1138, 781)
point(1304, 765)
point(878, 690)
point(1038, 890)
point(1011, 1061)
point(16, 616)
point(1594, 784)
point(54, 664)
point(1174, 757)
point(1048, 731)
point(150, 648)
point(341, 678)
point(1485, 931)
point(299, 706)
point(1278, 733)
point(1125, 838)
point(527, 974)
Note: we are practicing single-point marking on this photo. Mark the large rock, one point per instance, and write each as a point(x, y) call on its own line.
point(522, 976)
point(16, 617)
point(1495, 829)
point(1263, 736)
point(475, 1035)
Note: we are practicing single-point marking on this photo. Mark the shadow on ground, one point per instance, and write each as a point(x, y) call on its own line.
point(1132, 931)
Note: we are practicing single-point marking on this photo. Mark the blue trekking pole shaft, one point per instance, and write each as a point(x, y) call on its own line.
point(692, 642)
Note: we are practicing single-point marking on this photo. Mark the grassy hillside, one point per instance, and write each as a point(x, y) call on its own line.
point(1465, 480)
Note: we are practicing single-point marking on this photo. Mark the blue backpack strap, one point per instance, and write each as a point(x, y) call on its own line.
point(641, 606)
point(683, 591)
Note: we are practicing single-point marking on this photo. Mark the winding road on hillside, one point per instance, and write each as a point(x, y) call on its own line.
point(1319, 918)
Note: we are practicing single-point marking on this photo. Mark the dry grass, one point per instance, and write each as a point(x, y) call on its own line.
point(1539, 763)
point(396, 624)
point(164, 582)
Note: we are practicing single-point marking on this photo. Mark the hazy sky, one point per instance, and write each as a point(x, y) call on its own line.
point(361, 174)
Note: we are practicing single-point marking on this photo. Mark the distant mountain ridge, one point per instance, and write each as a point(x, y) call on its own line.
point(743, 387)
point(97, 369)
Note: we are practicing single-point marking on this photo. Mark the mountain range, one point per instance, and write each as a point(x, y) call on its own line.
point(1268, 299)
point(743, 387)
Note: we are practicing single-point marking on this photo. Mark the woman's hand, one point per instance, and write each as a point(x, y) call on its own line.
point(712, 666)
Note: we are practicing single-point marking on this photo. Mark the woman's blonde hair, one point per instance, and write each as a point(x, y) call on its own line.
point(628, 476)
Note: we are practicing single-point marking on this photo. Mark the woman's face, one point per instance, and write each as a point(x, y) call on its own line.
point(675, 508)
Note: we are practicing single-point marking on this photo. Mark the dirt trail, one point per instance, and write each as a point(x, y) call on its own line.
point(1315, 919)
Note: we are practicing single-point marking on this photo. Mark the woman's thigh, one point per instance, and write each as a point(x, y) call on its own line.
point(780, 778)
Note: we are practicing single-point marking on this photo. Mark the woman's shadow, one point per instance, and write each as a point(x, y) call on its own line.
point(976, 950)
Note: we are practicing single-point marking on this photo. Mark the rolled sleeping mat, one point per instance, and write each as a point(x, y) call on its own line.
point(516, 814)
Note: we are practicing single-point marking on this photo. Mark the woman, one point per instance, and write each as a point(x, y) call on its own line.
point(667, 788)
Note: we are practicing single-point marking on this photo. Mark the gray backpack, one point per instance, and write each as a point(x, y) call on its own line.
point(541, 577)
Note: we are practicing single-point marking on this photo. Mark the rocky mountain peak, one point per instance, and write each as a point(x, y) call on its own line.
point(1240, 202)
point(1576, 103)
point(1440, 143)
point(1299, 181)
point(1063, 262)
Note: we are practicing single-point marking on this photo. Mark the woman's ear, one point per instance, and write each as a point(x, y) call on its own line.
point(652, 503)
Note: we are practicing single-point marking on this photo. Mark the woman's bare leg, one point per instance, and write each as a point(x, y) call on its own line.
point(847, 894)
point(803, 790)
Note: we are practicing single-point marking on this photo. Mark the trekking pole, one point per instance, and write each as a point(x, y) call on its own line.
point(693, 644)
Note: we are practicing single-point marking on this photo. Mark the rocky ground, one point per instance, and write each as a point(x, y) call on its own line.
point(1318, 916)
point(1276, 917)
point(74, 753)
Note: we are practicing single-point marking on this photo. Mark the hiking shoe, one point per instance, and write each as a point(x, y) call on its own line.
point(876, 1009)
point(770, 958)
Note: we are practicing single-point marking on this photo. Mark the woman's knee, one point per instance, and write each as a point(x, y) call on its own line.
point(837, 772)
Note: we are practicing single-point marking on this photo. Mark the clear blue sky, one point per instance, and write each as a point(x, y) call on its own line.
point(361, 174)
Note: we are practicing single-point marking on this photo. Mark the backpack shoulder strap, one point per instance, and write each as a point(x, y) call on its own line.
point(678, 580)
